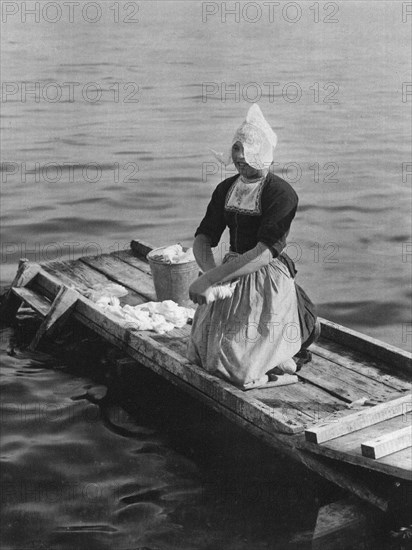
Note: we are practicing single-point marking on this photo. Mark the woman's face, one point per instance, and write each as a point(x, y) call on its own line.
point(244, 169)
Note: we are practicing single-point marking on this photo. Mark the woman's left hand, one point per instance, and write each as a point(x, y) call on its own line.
point(200, 291)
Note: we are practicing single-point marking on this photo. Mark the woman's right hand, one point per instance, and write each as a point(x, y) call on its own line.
point(200, 291)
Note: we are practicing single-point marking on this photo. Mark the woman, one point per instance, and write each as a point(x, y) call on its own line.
point(255, 331)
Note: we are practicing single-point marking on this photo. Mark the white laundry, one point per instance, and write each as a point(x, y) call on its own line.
point(224, 290)
point(158, 316)
point(174, 254)
point(105, 290)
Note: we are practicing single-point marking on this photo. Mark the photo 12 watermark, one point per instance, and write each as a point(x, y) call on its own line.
point(253, 92)
point(406, 12)
point(68, 172)
point(37, 252)
point(271, 12)
point(406, 92)
point(69, 92)
point(292, 172)
point(29, 12)
point(406, 172)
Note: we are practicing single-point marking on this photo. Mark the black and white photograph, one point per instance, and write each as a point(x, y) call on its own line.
point(206, 275)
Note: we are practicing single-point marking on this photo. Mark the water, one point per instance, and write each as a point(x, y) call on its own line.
point(137, 470)
point(152, 178)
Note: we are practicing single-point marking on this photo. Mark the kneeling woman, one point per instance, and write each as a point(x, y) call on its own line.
point(263, 323)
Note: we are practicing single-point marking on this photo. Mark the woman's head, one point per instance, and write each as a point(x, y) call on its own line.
point(258, 141)
point(245, 169)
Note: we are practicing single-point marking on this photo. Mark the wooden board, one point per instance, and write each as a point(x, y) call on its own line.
point(284, 444)
point(128, 257)
point(35, 301)
point(347, 448)
point(398, 358)
point(233, 407)
point(358, 362)
point(342, 382)
point(123, 273)
point(358, 420)
point(326, 398)
point(387, 444)
point(145, 346)
point(304, 403)
point(75, 274)
point(80, 276)
point(57, 314)
point(256, 412)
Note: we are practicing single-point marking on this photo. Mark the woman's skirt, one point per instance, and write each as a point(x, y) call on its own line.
point(243, 337)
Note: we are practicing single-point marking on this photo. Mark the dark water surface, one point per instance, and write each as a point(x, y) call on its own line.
point(187, 480)
point(139, 468)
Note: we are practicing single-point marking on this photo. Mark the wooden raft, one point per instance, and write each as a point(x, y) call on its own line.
point(347, 368)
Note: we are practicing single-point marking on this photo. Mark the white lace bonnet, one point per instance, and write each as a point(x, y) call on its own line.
point(258, 140)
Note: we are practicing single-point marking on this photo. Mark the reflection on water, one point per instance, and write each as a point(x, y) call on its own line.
point(141, 466)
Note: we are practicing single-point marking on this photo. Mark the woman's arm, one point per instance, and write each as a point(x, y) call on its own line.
point(202, 251)
point(244, 264)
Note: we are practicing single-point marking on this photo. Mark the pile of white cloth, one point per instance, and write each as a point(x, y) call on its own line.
point(104, 290)
point(174, 254)
point(158, 316)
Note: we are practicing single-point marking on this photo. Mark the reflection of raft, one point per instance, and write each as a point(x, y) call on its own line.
point(352, 399)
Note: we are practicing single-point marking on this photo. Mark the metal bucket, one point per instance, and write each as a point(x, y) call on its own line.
point(172, 281)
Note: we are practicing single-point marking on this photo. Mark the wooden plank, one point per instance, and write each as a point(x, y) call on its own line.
point(377, 349)
point(287, 443)
point(347, 448)
point(305, 402)
point(356, 361)
point(145, 346)
point(63, 303)
point(140, 248)
point(123, 273)
point(83, 278)
point(284, 380)
point(25, 273)
point(284, 444)
point(342, 382)
point(76, 274)
point(310, 401)
point(128, 257)
point(388, 444)
point(34, 300)
point(356, 421)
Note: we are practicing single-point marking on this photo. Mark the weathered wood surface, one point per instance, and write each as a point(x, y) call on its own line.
point(342, 382)
point(303, 402)
point(121, 272)
point(284, 444)
point(361, 419)
point(388, 444)
point(76, 274)
point(128, 257)
point(265, 417)
point(143, 344)
point(25, 273)
point(398, 358)
point(62, 305)
point(359, 363)
point(347, 448)
point(264, 412)
point(37, 302)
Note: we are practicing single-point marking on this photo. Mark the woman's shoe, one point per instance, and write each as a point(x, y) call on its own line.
point(286, 367)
